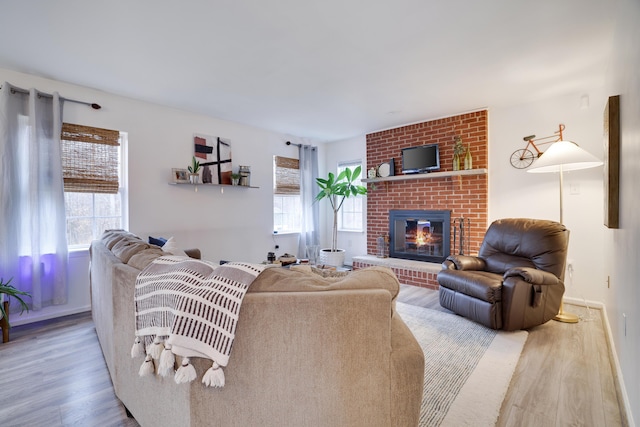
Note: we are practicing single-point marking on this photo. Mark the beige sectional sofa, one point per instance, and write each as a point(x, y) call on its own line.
point(308, 351)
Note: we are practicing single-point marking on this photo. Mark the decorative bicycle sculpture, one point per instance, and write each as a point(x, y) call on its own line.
point(522, 159)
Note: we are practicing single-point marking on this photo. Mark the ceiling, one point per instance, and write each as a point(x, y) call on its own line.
point(324, 70)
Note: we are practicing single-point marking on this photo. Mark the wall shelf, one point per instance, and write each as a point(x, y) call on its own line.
point(211, 185)
point(432, 175)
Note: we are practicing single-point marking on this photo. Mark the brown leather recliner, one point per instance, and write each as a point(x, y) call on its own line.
point(515, 282)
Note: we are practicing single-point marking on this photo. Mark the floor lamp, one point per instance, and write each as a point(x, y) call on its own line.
point(563, 156)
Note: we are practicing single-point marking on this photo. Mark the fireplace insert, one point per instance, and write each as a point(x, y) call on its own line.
point(421, 235)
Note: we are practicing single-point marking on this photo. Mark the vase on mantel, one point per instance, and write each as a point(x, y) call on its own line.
point(456, 162)
point(468, 161)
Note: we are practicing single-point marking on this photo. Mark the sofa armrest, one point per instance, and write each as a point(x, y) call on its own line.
point(407, 369)
point(465, 262)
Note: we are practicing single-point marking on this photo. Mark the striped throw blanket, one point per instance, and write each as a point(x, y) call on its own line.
point(189, 308)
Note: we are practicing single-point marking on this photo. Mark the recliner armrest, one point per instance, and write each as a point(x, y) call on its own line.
point(532, 275)
point(464, 262)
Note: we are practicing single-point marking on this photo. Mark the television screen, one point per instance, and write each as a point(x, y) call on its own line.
point(424, 158)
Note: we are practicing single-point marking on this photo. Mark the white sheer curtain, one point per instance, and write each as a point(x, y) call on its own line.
point(33, 242)
point(310, 223)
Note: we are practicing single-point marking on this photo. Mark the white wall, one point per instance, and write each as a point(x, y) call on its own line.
point(622, 245)
point(345, 150)
point(236, 225)
point(516, 193)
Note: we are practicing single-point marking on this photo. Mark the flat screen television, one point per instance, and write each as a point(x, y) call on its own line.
point(424, 158)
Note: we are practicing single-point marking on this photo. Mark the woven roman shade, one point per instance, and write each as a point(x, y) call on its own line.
point(89, 159)
point(287, 179)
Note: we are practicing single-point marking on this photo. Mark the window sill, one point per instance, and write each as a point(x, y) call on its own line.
point(78, 252)
point(284, 233)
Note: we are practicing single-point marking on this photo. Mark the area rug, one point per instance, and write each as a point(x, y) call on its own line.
point(467, 367)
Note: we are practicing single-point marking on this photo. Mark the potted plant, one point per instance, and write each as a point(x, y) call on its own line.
point(193, 170)
point(337, 190)
point(235, 178)
point(7, 289)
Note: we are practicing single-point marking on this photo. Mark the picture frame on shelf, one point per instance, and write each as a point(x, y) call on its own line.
point(179, 176)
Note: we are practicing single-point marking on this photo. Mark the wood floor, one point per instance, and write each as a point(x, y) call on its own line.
point(53, 374)
point(564, 376)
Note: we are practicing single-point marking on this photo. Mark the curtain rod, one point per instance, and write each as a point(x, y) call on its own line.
point(90, 104)
point(297, 145)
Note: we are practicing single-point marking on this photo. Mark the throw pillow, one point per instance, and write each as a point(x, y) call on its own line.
point(158, 241)
point(172, 247)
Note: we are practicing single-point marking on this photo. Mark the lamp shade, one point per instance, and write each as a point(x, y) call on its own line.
point(564, 156)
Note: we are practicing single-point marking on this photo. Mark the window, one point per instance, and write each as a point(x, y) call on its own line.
point(351, 216)
point(94, 171)
point(287, 208)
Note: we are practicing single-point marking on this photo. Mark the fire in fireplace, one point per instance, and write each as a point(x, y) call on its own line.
point(421, 235)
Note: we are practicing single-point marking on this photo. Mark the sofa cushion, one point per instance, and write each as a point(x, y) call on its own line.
point(145, 257)
point(111, 237)
point(332, 275)
point(287, 280)
point(126, 248)
point(172, 247)
point(482, 285)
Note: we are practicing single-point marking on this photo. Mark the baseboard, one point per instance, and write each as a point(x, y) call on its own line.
point(46, 313)
point(613, 355)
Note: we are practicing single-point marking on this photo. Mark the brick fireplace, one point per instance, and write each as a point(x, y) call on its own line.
point(465, 196)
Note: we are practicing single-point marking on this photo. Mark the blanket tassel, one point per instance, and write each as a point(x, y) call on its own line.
point(167, 361)
point(155, 349)
point(138, 348)
point(185, 373)
point(214, 377)
point(147, 367)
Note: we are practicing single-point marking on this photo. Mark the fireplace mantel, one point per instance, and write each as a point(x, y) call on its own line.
point(431, 175)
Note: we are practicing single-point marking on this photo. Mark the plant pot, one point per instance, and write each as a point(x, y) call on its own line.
point(234, 181)
point(327, 257)
point(194, 178)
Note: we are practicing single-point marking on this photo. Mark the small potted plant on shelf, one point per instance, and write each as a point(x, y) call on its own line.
point(235, 178)
point(337, 189)
point(193, 171)
point(10, 291)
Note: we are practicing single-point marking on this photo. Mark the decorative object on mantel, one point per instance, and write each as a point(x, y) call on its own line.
point(468, 161)
point(386, 169)
point(460, 238)
point(458, 150)
point(337, 189)
point(194, 176)
point(372, 173)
